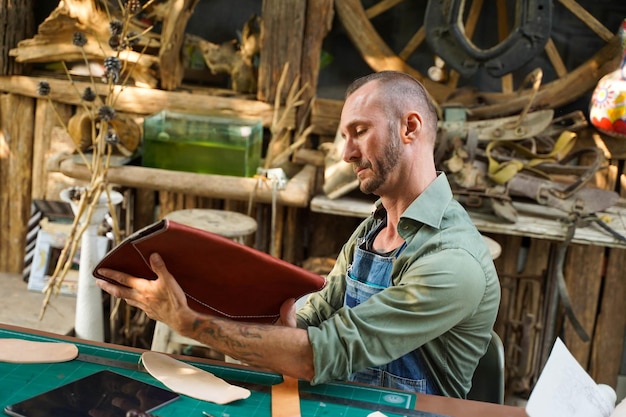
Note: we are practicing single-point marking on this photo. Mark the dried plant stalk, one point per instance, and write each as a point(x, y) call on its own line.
point(104, 138)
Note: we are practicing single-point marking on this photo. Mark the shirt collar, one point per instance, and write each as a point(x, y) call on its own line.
point(429, 207)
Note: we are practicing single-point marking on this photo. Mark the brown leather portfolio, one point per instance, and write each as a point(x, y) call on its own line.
point(219, 276)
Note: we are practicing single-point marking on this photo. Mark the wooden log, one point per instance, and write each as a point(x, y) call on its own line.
point(583, 271)
point(172, 36)
point(296, 194)
point(148, 101)
point(16, 155)
point(281, 43)
point(608, 338)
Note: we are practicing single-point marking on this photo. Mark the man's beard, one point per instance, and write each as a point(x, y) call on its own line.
point(385, 164)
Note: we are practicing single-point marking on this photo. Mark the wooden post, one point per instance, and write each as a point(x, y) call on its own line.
point(281, 43)
point(293, 33)
point(17, 22)
point(608, 340)
point(319, 20)
point(44, 147)
point(16, 155)
point(583, 272)
point(172, 36)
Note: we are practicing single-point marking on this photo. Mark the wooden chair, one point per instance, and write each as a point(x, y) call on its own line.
point(488, 380)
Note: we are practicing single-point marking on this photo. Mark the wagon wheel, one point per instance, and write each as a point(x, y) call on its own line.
point(359, 18)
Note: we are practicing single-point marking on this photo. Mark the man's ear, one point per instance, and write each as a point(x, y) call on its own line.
point(412, 128)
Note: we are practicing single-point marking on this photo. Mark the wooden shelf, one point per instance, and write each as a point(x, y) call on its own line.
point(534, 221)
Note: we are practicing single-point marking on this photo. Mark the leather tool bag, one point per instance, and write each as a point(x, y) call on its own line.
point(219, 276)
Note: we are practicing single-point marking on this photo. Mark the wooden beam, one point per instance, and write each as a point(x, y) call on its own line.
point(145, 100)
point(297, 192)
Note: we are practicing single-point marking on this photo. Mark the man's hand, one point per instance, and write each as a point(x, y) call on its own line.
point(287, 313)
point(283, 349)
point(161, 299)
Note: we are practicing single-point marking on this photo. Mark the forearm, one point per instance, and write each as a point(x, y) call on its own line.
point(280, 349)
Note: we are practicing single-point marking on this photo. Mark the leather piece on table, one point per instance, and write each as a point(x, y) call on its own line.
point(27, 351)
point(189, 380)
point(286, 398)
point(219, 276)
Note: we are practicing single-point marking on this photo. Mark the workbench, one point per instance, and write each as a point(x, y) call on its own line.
point(20, 381)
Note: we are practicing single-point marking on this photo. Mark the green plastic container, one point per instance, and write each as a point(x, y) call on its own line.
point(201, 143)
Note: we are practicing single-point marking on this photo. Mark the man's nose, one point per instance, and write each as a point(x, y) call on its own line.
point(350, 151)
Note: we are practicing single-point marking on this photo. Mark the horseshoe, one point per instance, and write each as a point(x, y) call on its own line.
point(446, 36)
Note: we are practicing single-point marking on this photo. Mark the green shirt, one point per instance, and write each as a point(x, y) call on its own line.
point(444, 299)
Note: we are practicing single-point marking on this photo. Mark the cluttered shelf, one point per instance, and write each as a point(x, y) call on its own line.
point(534, 220)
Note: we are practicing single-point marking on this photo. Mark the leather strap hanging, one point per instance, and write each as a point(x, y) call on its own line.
point(502, 172)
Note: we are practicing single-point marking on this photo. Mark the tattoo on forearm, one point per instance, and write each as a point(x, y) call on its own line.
point(213, 328)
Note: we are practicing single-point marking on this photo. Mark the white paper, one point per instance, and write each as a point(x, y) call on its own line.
point(565, 389)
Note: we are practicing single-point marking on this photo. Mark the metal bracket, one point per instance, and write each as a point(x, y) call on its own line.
point(276, 175)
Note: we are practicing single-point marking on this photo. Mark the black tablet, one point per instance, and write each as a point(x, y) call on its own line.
point(102, 394)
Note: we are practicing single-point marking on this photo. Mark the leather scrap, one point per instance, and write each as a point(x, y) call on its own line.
point(28, 351)
point(189, 380)
point(286, 398)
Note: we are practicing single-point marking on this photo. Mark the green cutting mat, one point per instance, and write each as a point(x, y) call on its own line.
point(21, 381)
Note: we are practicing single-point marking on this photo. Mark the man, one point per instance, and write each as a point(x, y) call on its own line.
point(414, 293)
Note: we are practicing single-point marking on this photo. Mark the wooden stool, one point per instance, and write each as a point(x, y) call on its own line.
point(494, 247)
point(229, 224)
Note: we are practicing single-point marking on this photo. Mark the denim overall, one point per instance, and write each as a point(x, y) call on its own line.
point(369, 274)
